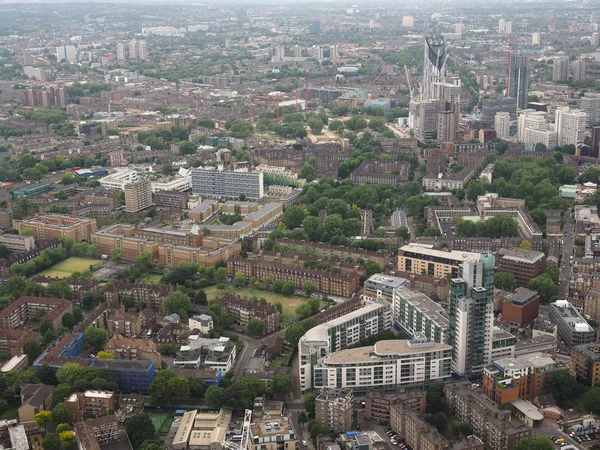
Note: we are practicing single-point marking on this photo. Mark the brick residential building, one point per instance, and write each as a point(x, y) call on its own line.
point(93, 433)
point(90, 404)
point(53, 226)
point(521, 306)
point(243, 311)
point(490, 423)
point(522, 264)
point(586, 358)
point(26, 307)
point(391, 173)
point(522, 377)
point(133, 349)
point(335, 408)
point(13, 341)
point(171, 199)
point(379, 404)
point(152, 294)
point(326, 281)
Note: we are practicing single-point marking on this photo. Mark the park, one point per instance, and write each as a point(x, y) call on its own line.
point(65, 268)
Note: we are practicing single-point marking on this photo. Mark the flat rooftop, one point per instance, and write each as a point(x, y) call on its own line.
point(428, 250)
point(384, 350)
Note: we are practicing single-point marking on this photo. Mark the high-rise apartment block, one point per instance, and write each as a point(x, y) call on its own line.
point(138, 50)
point(138, 196)
point(408, 21)
point(121, 51)
point(595, 40)
point(590, 104)
point(502, 125)
point(418, 315)
point(224, 184)
point(560, 69)
point(335, 408)
point(518, 79)
point(133, 49)
point(66, 53)
point(446, 126)
point(595, 147)
point(536, 39)
point(143, 50)
point(508, 28)
point(579, 69)
point(472, 315)
point(570, 126)
point(501, 25)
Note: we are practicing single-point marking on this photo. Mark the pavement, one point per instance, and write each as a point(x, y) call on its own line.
point(250, 346)
point(568, 248)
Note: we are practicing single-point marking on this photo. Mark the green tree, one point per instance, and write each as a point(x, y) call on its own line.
point(68, 439)
point(293, 333)
point(591, 400)
point(282, 385)
point(63, 427)
point(62, 414)
point(563, 387)
point(214, 398)
point(310, 403)
point(197, 387)
point(302, 417)
point(309, 288)
point(505, 281)
point(32, 349)
point(187, 148)
point(95, 337)
point(288, 288)
point(239, 279)
point(318, 429)
point(167, 385)
point(403, 233)
point(177, 302)
point(538, 443)
point(256, 327)
point(60, 393)
point(294, 216)
point(544, 286)
point(43, 419)
point(315, 124)
point(140, 429)
point(51, 442)
point(116, 255)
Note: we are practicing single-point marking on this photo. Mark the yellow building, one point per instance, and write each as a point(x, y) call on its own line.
point(423, 259)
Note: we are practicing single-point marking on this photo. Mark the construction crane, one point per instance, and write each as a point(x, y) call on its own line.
point(243, 444)
point(410, 91)
point(251, 111)
point(277, 100)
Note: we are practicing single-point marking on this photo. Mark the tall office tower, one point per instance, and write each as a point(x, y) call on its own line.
point(595, 147)
point(121, 52)
point(408, 22)
point(595, 40)
point(560, 69)
point(518, 79)
point(446, 126)
point(579, 68)
point(434, 65)
point(590, 104)
point(570, 126)
point(143, 50)
point(334, 51)
point(508, 28)
point(502, 125)
point(501, 25)
point(371, 23)
point(138, 196)
point(133, 49)
point(472, 315)
point(536, 39)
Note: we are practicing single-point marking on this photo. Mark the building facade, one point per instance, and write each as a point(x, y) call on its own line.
point(53, 226)
point(225, 184)
point(335, 408)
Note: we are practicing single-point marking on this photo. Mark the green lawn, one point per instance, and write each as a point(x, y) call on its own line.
point(153, 278)
point(65, 268)
point(289, 303)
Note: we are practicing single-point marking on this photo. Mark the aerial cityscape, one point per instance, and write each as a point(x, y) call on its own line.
point(300, 226)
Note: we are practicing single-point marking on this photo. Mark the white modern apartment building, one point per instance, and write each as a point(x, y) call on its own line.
point(387, 364)
point(339, 334)
point(570, 126)
point(227, 184)
point(180, 184)
point(408, 21)
point(534, 129)
point(418, 315)
point(502, 125)
point(119, 179)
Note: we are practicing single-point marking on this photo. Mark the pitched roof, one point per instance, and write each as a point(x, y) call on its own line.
point(35, 394)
